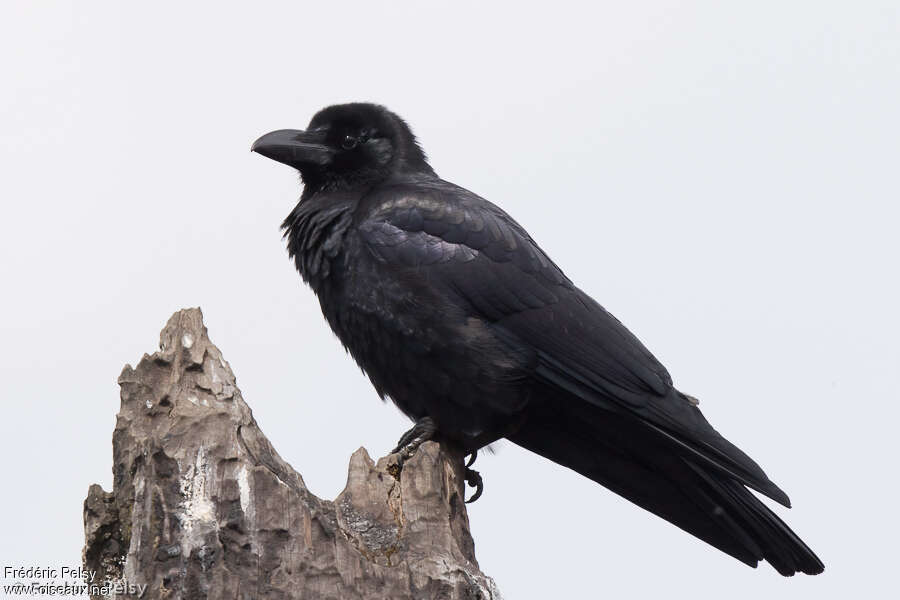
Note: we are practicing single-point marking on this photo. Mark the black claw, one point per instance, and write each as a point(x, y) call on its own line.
point(421, 432)
point(405, 439)
point(472, 458)
point(473, 478)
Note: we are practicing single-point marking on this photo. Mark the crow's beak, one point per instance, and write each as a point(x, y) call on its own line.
point(295, 148)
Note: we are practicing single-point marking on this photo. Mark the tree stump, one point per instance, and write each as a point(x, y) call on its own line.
point(203, 507)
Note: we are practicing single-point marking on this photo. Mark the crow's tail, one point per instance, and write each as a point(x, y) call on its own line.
point(638, 464)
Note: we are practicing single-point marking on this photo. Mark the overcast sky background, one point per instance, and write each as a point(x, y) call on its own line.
point(723, 178)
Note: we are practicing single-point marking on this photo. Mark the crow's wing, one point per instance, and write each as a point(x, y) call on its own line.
point(452, 238)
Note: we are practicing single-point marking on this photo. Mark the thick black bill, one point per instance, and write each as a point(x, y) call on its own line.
point(294, 147)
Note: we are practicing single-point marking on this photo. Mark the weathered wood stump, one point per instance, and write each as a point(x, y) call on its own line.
point(203, 507)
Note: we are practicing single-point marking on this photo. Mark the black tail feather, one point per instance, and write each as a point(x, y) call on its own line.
point(778, 544)
point(648, 469)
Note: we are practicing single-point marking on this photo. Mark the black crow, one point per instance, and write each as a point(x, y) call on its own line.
point(457, 315)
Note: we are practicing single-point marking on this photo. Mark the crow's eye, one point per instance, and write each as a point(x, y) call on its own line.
point(349, 142)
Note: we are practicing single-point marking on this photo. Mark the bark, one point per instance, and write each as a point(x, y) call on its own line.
point(203, 507)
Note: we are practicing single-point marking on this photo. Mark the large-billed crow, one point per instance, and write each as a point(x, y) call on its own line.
point(454, 312)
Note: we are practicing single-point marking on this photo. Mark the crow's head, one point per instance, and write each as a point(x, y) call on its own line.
point(346, 145)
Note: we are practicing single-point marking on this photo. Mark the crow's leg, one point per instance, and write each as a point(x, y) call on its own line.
point(472, 458)
point(421, 432)
point(474, 479)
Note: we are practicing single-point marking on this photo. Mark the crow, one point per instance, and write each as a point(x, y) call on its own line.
point(454, 312)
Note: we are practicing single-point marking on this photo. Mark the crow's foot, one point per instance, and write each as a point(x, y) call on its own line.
point(424, 430)
point(473, 478)
point(421, 432)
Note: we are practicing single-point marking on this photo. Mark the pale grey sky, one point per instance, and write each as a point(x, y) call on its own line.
point(723, 178)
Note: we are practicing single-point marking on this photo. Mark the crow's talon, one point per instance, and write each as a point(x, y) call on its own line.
point(421, 432)
point(472, 458)
point(473, 478)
